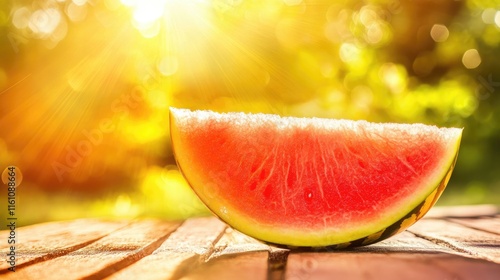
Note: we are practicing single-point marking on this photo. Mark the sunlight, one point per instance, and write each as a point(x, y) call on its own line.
point(147, 14)
point(147, 11)
point(179, 25)
point(86, 85)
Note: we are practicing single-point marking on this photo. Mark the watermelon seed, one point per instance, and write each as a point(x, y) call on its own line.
point(308, 195)
point(223, 211)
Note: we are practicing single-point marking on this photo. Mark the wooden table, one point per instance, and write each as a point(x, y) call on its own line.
point(449, 243)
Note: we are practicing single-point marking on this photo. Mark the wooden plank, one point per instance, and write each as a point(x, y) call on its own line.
point(464, 211)
point(244, 256)
point(401, 257)
point(277, 263)
point(243, 266)
point(234, 242)
point(103, 257)
point(488, 224)
point(266, 259)
point(45, 241)
point(234, 254)
point(390, 266)
point(407, 242)
point(189, 246)
point(461, 243)
point(476, 243)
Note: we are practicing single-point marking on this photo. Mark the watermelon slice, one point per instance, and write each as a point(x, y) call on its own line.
point(309, 181)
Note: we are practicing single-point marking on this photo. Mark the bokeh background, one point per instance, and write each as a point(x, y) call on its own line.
point(85, 87)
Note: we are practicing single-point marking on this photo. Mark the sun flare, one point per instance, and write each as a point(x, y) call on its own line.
point(85, 85)
point(149, 15)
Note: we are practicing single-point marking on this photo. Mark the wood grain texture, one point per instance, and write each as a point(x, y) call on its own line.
point(487, 224)
point(234, 254)
point(41, 242)
point(453, 243)
point(102, 257)
point(476, 243)
point(395, 265)
point(189, 246)
point(234, 242)
point(244, 266)
point(404, 256)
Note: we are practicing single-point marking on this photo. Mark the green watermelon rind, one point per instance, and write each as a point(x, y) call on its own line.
point(367, 233)
point(402, 224)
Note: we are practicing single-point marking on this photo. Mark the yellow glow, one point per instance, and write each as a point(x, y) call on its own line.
point(79, 2)
point(439, 33)
point(143, 132)
point(20, 18)
point(45, 21)
point(292, 2)
point(76, 11)
point(149, 11)
point(394, 76)
point(166, 192)
point(124, 208)
point(98, 103)
point(145, 12)
point(374, 28)
point(168, 65)
point(488, 15)
point(349, 52)
point(158, 99)
point(471, 59)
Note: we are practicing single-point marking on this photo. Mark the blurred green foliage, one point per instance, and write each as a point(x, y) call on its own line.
point(68, 68)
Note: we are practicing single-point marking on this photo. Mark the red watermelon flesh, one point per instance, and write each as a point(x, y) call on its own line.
point(310, 181)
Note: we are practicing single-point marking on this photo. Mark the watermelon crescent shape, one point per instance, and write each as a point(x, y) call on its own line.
point(310, 182)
